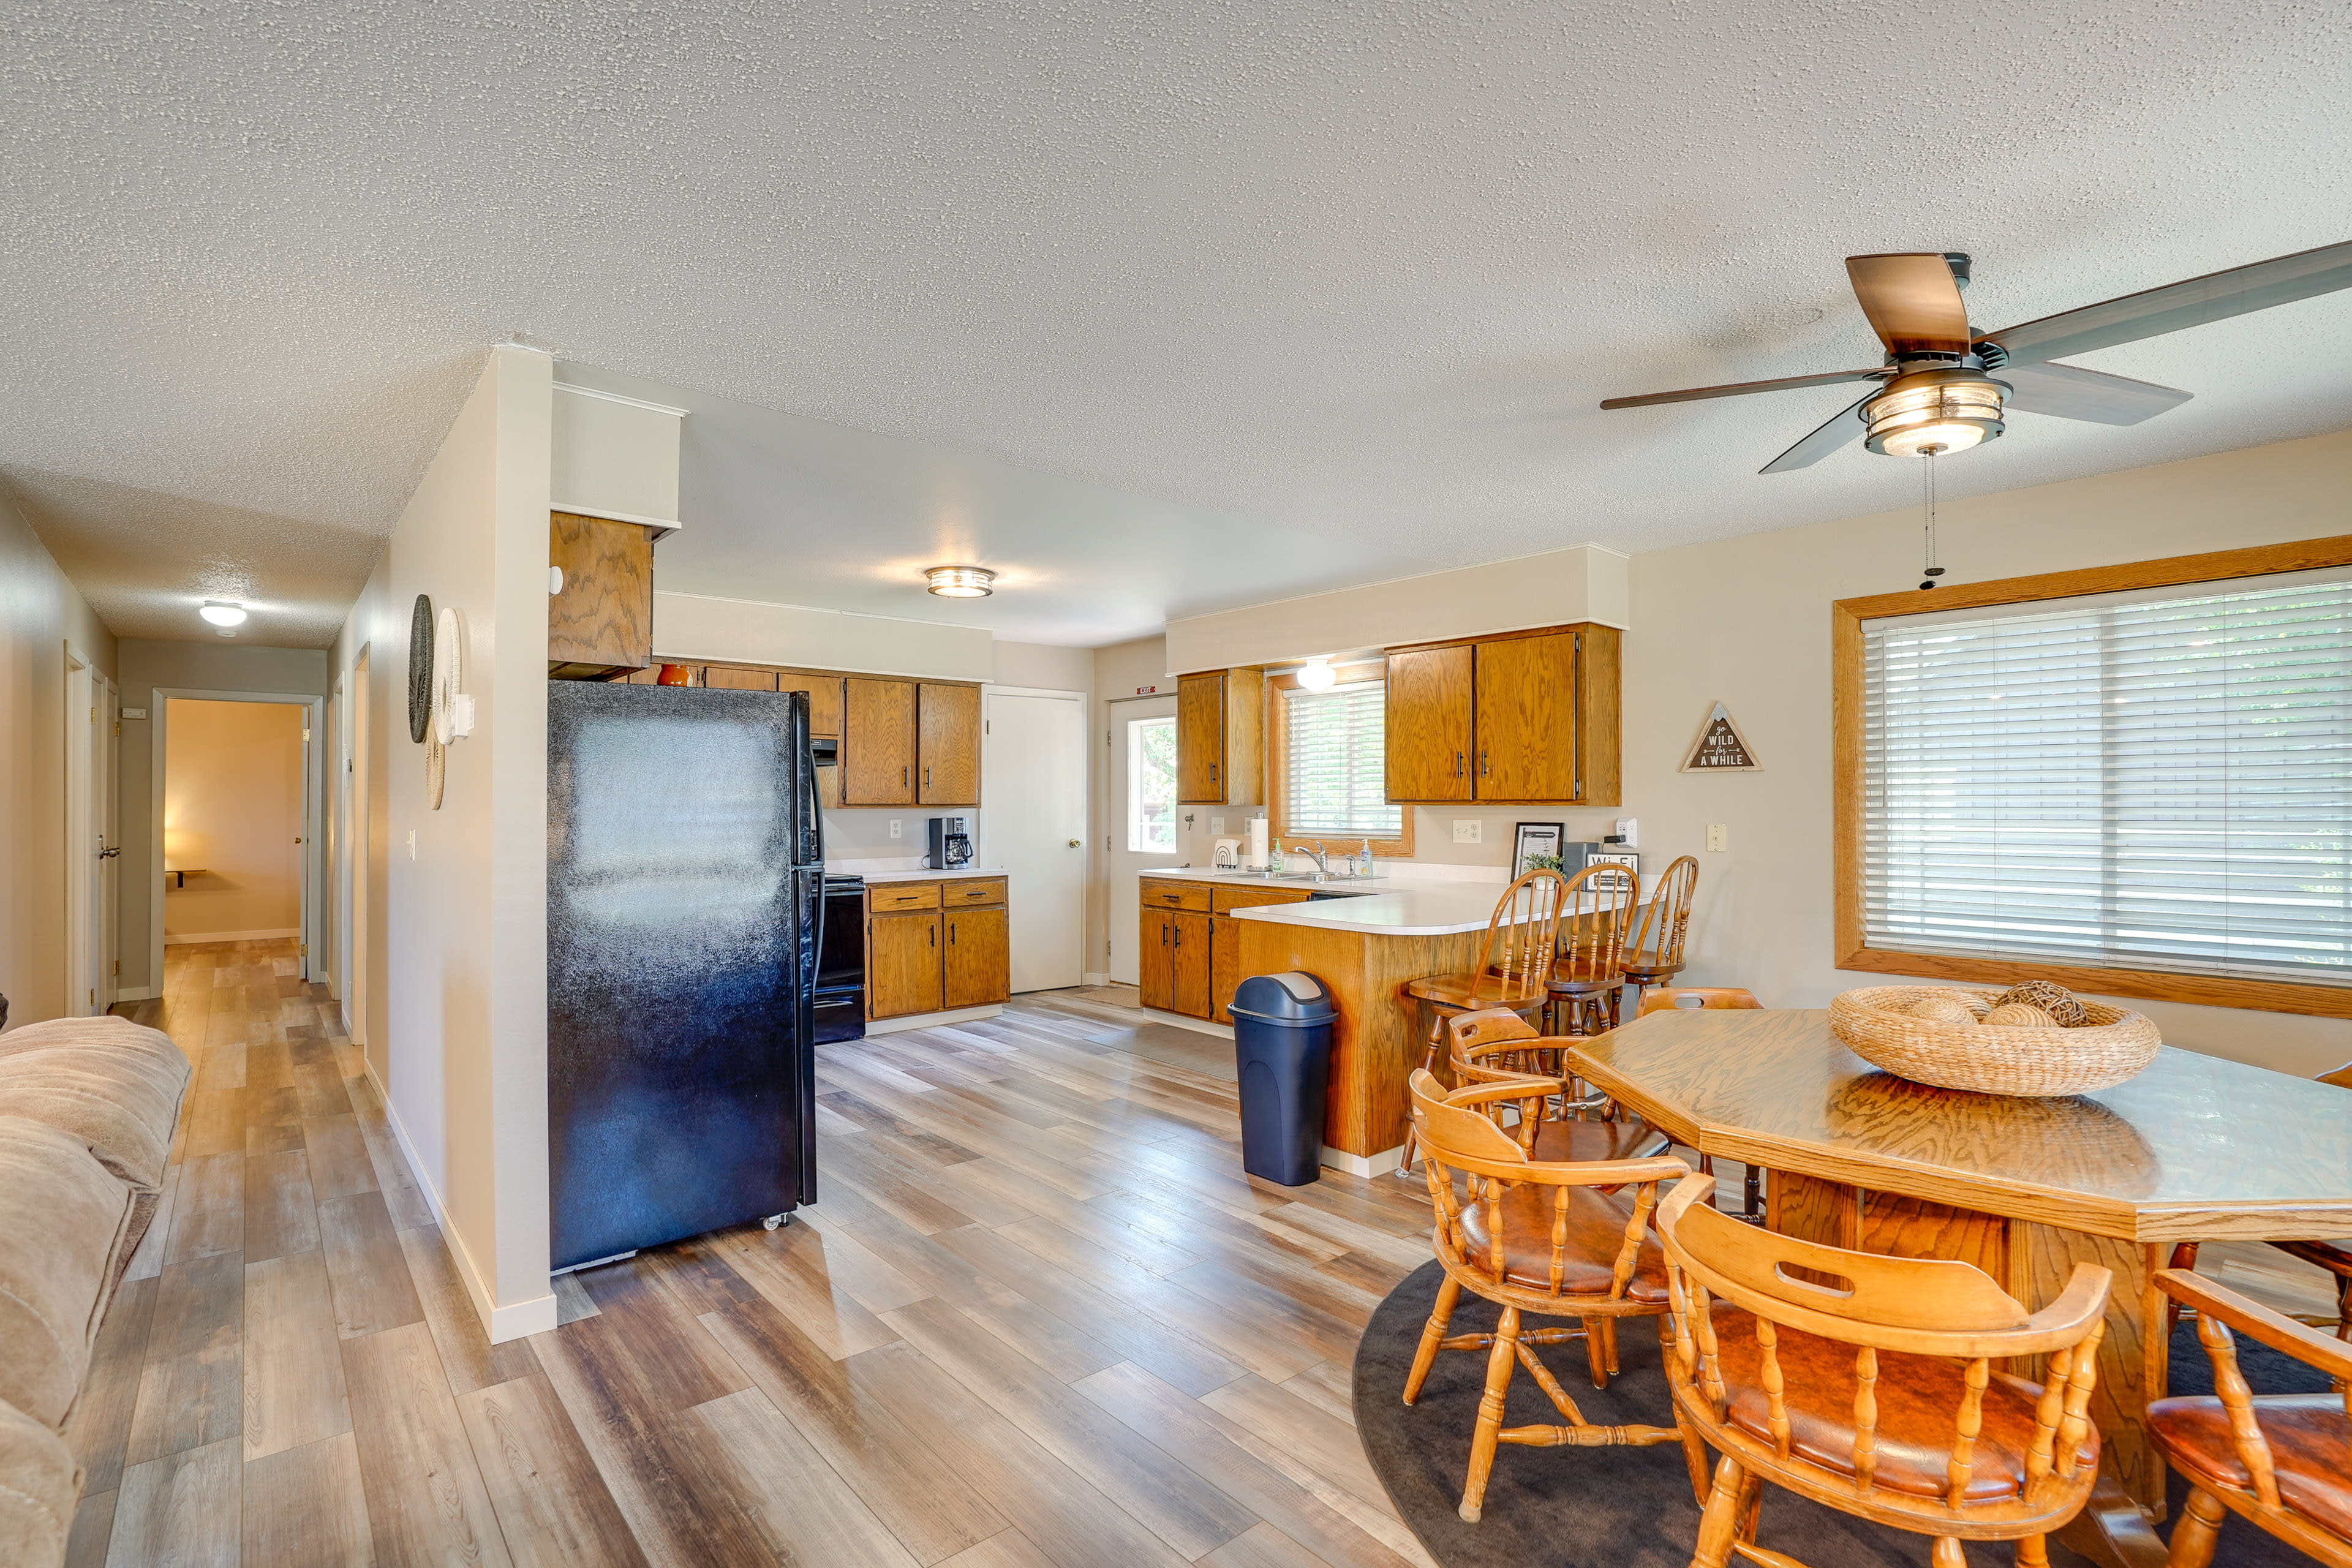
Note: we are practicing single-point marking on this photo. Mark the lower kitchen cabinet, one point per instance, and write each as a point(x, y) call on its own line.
point(1226, 941)
point(1176, 945)
point(979, 965)
point(903, 967)
point(1190, 946)
point(935, 946)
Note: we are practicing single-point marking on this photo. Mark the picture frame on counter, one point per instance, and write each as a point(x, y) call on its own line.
point(1538, 845)
point(1629, 858)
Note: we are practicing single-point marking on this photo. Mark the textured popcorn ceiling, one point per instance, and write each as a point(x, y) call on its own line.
point(1160, 308)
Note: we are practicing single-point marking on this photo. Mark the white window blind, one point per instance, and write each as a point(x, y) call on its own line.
point(1335, 765)
point(2159, 780)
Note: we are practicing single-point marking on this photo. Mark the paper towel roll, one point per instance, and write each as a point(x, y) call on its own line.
point(1258, 841)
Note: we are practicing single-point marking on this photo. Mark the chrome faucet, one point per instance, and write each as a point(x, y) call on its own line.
point(1321, 858)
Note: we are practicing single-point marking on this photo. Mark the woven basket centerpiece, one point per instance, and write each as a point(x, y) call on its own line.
point(2033, 1040)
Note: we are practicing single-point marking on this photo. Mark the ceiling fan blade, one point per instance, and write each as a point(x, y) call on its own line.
point(1842, 428)
point(1913, 301)
point(2069, 392)
point(2191, 302)
point(1742, 388)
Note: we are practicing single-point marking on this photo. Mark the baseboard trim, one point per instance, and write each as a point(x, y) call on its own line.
point(1185, 1021)
point(195, 936)
point(1379, 1164)
point(501, 1323)
point(931, 1020)
point(138, 993)
point(1094, 980)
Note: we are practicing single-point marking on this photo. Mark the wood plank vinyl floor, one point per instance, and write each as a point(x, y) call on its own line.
point(1040, 1318)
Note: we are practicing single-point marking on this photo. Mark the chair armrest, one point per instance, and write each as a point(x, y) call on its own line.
point(2258, 1323)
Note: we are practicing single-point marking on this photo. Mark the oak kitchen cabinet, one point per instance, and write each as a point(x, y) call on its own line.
point(1523, 718)
point(1191, 950)
point(1220, 737)
point(947, 744)
point(602, 624)
point(908, 742)
point(931, 946)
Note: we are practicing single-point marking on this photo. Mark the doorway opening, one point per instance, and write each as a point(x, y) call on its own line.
point(237, 805)
point(1143, 811)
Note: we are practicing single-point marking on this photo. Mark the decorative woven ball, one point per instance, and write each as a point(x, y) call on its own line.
point(1940, 1008)
point(2020, 1015)
point(2066, 1009)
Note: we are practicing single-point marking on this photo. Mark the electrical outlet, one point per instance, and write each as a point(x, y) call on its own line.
point(1630, 830)
point(1469, 830)
point(1717, 836)
point(897, 828)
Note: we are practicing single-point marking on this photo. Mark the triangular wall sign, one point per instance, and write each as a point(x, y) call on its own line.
point(1721, 748)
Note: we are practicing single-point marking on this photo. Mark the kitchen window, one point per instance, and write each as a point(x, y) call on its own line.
point(1330, 771)
point(1151, 785)
point(2144, 791)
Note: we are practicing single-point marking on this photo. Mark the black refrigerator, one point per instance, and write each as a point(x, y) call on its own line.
point(685, 909)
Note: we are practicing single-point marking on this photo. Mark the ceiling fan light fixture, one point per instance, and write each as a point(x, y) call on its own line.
point(223, 613)
point(1938, 411)
point(1318, 676)
point(962, 582)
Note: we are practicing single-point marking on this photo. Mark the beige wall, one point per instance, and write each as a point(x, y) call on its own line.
point(216, 663)
point(696, 626)
point(1746, 622)
point(233, 812)
point(40, 614)
point(457, 1030)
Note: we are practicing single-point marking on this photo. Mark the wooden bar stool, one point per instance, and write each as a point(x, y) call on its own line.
point(1875, 1395)
point(1587, 972)
point(1654, 952)
point(2281, 1461)
point(1498, 1047)
point(1514, 961)
point(1534, 1238)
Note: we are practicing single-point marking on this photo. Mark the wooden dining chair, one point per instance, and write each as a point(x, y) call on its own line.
point(1664, 998)
point(1534, 1236)
point(1514, 963)
point(2281, 1461)
point(1497, 1045)
point(1653, 951)
point(1598, 907)
point(2335, 1257)
point(1875, 1394)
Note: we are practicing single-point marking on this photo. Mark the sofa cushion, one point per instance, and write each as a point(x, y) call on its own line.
point(63, 1220)
point(108, 1082)
point(39, 1486)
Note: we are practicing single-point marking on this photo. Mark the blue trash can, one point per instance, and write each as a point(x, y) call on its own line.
point(1281, 1049)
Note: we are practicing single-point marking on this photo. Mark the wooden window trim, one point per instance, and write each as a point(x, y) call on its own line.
point(1846, 617)
point(1277, 753)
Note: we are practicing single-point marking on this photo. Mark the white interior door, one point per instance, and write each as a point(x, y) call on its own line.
point(82, 840)
point(1034, 778)
point(1142, 817)
point(106, 800)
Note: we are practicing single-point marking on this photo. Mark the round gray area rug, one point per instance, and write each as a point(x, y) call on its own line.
point(1632, 1507)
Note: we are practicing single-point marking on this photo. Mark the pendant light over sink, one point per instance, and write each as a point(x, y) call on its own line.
point(962, 582)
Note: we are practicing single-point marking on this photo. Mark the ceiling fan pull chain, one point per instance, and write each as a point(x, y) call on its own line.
point(1933, 571)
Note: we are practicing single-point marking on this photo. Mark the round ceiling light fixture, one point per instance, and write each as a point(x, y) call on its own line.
point(1934, 411)
point(223, 613)
point(1318, 676)
point(962, 582)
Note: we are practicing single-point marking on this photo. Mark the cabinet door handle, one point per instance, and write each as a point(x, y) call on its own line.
point(927, 778)
point(1163, 933)
point(1213, 772)
point(932, 930)
point(1482, 763)
point(950, 933)
point(1179, 936)
point(1457, 765)
point(902, 778)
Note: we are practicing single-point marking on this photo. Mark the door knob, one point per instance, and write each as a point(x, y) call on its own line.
point(1074, 844)
point(108, 854)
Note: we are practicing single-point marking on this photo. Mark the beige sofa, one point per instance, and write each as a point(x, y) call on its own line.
point(87, 1110)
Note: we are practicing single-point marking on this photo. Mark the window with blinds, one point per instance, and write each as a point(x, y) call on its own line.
point(2159, 780)
point(1334, 765)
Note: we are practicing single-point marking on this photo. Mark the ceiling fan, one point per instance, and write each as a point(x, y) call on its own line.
point(1945, 385)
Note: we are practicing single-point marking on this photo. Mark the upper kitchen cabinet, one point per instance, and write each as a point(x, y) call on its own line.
point(824, 698)
point(613, 473)
point(1220, 737)
point(1525, 718)
point(600, 622)
point(878, 743)
point(947, 745)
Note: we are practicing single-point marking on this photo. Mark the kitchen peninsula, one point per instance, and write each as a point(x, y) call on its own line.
point(1364, 941)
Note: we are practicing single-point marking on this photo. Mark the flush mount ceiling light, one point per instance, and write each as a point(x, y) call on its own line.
point(222, 613)
point(1319, 675)
point(1934, 412)
point(962, 582)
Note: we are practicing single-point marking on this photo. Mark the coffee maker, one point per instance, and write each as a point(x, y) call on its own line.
point(949, 848)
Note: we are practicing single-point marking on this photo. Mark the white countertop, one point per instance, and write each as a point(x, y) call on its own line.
point(904, 874)
point(1402, 905)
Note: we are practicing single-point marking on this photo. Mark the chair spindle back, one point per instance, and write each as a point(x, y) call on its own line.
point(1519, 936)
point(1664, 923)
point(1592, 945)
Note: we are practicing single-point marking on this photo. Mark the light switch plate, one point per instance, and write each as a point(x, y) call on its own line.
point(1216, 825)
point(1718, 837)
point(897, 828)
point(1469, 830)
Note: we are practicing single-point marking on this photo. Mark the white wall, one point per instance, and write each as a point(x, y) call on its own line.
point(459, 1035)
point(232, 813)
point(694, 627)
point(1583, 582)
point(1745, 621)
point(40, 612)
point(214, 664)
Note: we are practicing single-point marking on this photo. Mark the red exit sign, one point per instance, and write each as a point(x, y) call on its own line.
point(1145, 690)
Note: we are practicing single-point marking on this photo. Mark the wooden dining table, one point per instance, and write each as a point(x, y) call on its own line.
point(2195, 1148)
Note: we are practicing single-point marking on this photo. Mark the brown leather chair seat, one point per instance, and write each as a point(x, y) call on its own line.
point(1632, 1139)
point(1917, 1398)
point(1596, 1230)
point(2310, 1442)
